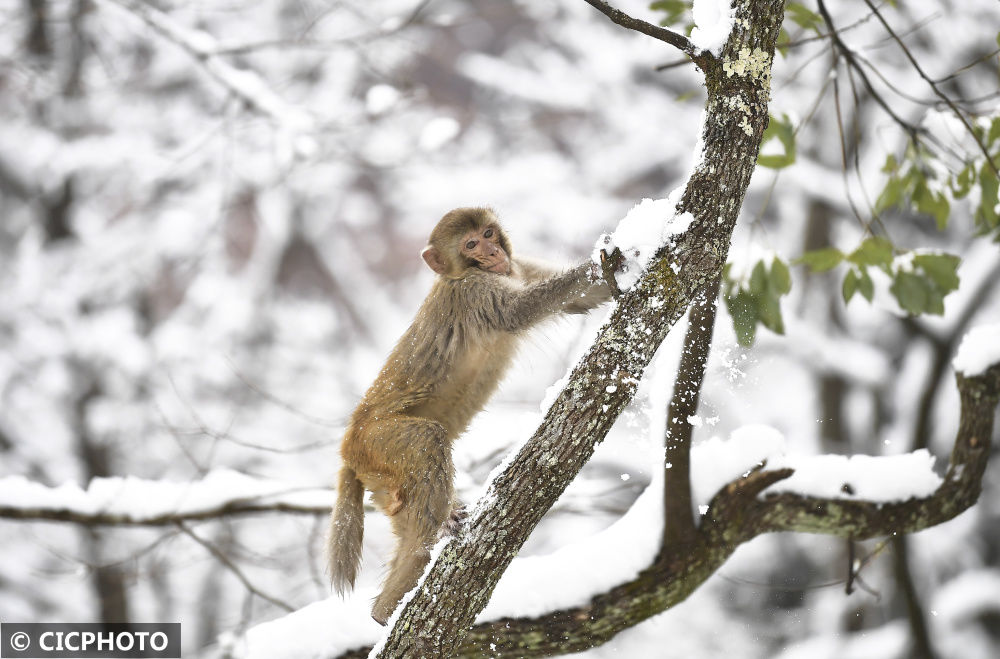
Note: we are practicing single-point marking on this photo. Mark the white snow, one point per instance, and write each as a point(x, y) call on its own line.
point(138, 499)
point(871, 478)
point(716, 462)
point(650, 225)
point(314, 630)
point(438, 132)
point(713, 21)
point(567, 577)
point(380, 98)
point(980, 349)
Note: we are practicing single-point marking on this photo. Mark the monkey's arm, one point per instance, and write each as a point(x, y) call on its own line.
point(501, 303)
point(596, 294)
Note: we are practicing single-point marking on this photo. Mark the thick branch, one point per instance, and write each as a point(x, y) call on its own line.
point(864, 519)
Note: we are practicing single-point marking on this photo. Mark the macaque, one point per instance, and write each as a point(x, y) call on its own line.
point(443, 370)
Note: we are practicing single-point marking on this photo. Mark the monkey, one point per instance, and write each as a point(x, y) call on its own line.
point(444, 368)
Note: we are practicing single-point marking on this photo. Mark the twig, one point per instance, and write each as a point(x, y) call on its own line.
point(944, 97)
point(848, 56)
point(244, 48)
point(246, 85)
point(661, 33)
point(232, 567)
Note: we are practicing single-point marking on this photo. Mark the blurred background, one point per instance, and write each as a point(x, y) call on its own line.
point(210, 221)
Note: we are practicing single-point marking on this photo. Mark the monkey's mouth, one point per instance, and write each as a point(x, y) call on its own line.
point(500, 265)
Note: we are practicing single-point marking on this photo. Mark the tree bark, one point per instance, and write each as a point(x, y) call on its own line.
point(678, 515)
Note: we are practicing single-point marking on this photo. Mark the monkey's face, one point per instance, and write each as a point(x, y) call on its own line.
point(483, 247)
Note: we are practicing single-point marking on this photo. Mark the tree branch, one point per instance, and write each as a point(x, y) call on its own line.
point(244, 84)
point(678, 523)
point(852, 62)
point(944, 97)
point(699, 57)
point(236, 508)
point(738, 514)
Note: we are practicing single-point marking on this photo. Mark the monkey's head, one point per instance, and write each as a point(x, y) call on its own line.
point(468, 238)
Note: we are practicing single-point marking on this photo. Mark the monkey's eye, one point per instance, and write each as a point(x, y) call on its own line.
point(488, 233)
point(470, 245)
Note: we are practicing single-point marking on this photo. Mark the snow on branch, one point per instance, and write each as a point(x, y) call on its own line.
point(980, 349)
point(140, 502)
point(245, 84)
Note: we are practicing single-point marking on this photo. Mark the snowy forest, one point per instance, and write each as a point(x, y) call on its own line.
point(773, 442)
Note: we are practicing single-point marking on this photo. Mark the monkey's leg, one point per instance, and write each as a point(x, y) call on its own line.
point(427, 499)
point(389, 501)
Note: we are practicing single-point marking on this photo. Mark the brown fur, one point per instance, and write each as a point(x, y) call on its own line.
point(440, 374)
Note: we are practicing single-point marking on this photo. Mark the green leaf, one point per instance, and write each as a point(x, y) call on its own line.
point(942, 269)
point(784, 132)
point(962, 183)
point(803, 17)
point(890, 166)
point(872, 251)
point(821, 260)
point(932, 203)
point(743, 310)
point(994, 133)
point(850, 285)
point(865, 285)
point(783, 40)
point(911, 291)
point(770, 313)
point(674, 9)
point(781, 278)
point(891, 194)
point(935, 302)
point(758, 279)
point(986, 215)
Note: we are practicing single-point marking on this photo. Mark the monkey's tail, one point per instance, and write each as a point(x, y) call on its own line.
point(347, 527)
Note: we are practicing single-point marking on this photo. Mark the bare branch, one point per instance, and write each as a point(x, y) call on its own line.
point(232, 567)
point(661, 33)
point(244, 84)
point(944, 97)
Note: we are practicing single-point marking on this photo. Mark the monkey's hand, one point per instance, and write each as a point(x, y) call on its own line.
point(454, 522)
point(610, 264)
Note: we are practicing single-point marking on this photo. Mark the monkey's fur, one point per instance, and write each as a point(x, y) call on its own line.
point(444, 368)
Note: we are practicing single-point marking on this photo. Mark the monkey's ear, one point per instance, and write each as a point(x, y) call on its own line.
point(432, 257)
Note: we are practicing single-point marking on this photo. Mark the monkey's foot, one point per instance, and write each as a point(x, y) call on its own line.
point(454, 522)
point(393, 504)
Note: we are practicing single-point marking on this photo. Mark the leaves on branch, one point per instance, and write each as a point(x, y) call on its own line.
point(920, 182)
point(920, 280)
point(756, 301)
point(783, 131)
